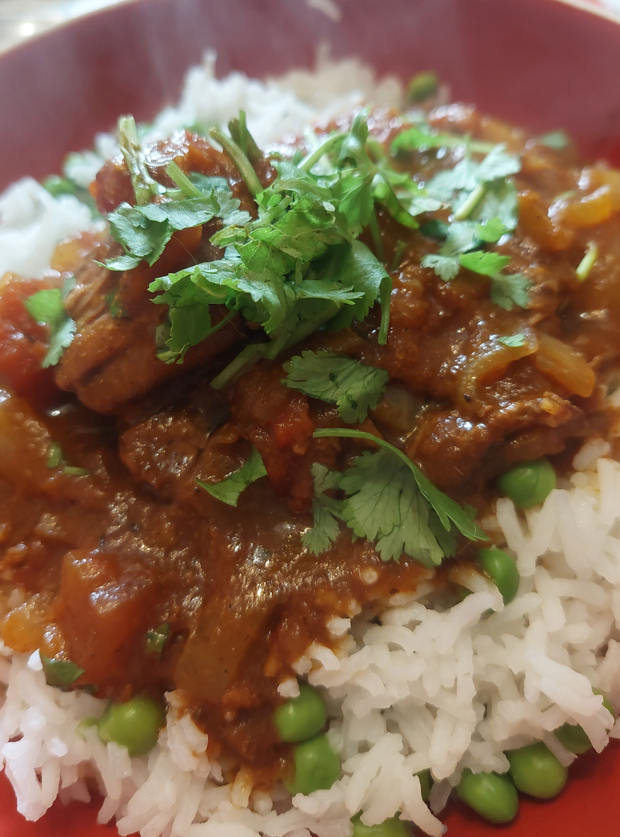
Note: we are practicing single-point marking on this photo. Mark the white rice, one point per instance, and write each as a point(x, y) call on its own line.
point(415, 687)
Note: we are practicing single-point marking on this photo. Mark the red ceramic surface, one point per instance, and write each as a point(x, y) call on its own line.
point(537, 62)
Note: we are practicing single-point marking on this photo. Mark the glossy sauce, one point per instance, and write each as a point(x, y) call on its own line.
point(101, 558)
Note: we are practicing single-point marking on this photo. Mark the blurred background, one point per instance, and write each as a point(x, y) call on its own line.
point(21, 19)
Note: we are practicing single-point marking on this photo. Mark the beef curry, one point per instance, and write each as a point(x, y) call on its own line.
point(116, 558)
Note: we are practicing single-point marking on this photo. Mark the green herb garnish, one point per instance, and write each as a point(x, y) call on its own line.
point(555, 139)
point(47, 308)
point(56, 459)
point(229, 489)
point(352, 386)
point(60, 673)
point(156, 638)
point(587, 262)
point(483, 200)
point(390, 502)
point(513, 341)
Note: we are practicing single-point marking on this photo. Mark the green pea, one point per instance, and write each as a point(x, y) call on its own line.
point(426, 782)
point(422, 86)
point(529, 483)
point(491, 795)
point(317, 766)
point(388, 828)
point(302, 717)
point(606, 702)
point(502, 568)
point(536, 771)
point(574, 738)
point(134, 724)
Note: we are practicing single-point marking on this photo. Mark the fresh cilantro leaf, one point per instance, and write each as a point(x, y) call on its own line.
point(326, 510)
point(446, 267)
point(122, 262)
point(352, 386)
point(60, 673)
point(324, 479)
point(488, 264)
point(47, 308)
point(434, 228)
point(144, 231)
point(513, 341)
point(492, 230)
point(229, 489)
point(384, 506)
point(498, 204)
point(497, 164)
point(510, 289)
point(422, 137)
point(357, 267)
point(507, 289)
point(555, 139)
point(325, 528)
point(390, 501)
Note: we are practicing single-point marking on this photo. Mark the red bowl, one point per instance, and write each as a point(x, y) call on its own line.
point(541, 63)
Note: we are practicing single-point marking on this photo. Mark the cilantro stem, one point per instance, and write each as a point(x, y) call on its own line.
point(313, 158)
point(348, 433)
point(587, 262)
point(373, 226)
point(246, 170)
point(246, 358)
point(468, 206)
point(180, 179)
point(144, 186)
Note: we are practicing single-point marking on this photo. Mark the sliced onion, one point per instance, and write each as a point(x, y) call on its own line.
point(563, 364)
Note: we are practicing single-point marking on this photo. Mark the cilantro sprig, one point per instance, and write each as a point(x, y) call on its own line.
point(389, 501)
point(384, 497)
point(299, 265)
point(483, 202)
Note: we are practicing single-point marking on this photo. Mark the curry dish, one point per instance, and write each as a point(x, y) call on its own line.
point(108, 535)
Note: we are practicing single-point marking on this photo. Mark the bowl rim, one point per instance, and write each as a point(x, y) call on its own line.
point(590, 7)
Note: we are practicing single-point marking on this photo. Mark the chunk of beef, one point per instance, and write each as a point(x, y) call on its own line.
point(113, 356)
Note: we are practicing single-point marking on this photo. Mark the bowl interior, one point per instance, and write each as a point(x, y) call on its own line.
point(539, 63)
